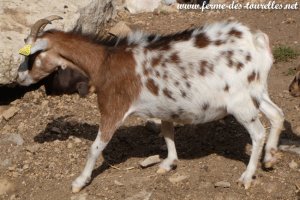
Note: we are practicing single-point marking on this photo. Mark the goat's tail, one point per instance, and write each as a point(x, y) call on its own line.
point(261, 40)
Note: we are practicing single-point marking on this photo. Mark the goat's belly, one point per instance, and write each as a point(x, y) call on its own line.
point(183, 116)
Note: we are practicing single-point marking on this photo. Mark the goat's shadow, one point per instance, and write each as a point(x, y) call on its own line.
point(226, 138)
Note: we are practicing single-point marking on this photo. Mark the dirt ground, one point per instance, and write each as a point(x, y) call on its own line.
point(44, 145)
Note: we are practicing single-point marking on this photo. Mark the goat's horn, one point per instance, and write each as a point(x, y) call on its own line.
point(37, 26)
point(41, 24)
point(50, 18)
point(53, 17)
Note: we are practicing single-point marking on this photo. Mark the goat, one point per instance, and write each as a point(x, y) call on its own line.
point(67, 81)
point(294, 86)
point(195, 76)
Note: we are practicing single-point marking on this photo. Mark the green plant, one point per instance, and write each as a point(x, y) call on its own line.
point(284, 53)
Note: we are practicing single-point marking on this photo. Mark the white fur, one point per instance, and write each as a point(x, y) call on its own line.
point(209, 89)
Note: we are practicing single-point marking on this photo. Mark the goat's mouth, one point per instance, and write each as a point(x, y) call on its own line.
point(24, 79)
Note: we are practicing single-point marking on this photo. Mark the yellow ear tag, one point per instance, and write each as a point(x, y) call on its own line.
point(25, 51)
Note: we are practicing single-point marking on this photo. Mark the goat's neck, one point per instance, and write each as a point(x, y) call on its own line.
point(81, 55)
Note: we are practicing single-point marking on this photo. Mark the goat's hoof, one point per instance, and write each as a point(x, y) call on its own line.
point(76, 189)
point(161, 171)
point(274, 159)
point(244, 182)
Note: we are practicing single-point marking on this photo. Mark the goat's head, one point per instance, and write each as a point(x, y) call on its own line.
point(294, 87)
point(40, 60)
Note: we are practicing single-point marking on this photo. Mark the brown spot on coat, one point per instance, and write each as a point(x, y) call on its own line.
point(202, 40)
point(176, 83)
point(248, 57)
point(155, 61)
point(168, 94)
point(251, 77)
point(255, 102)
point(239, 66)
point(157, 74)
point(205, 67)
point(226, 88)
point(152, 87)
point(235, 33)
point(174, 58)
point(188, 85)
point(183, 93)
point(165, 76)
point(205, 106)
point(219, 42)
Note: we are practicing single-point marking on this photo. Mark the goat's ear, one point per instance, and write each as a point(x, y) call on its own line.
point(40, 45)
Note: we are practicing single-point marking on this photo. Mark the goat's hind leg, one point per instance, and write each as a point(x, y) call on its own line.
point(276, 117)
point(167, 131)
point(248, 117)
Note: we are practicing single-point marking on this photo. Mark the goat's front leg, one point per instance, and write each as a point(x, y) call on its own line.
point(109, 123)
point(85, 176)
point(167, 131)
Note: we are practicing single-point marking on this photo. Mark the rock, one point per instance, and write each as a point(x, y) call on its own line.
point(120, 29)
point(16, 139)
point(33, 148)
point(143, 195)
point(293, 165)
point(70, 145)
point(151, 160)
point(166, 9)
point(5, 163)
point(6, 186)
point(169, 2)
point(118, 183)
point(290, 145)
point(10, 112)
point(3, 108)
point(16, 19)
point(81, 196)
point(77, 140)
point(138, 6)
point(297, 130)
point(223, 184)
point(26, 166)
point(56, 130)
point(271, 187)
point(176, 178)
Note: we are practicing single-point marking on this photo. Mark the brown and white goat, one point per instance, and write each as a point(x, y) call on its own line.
point(294, 87)
point(195, 76)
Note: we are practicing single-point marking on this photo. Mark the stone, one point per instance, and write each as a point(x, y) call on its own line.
point(151, 160)
point(121, 29)
point(16, 139)
point(10, 112)
point(223, 184)
point(118, 183)
point(33, 148)
point(5, 163)
point(297, 130)
point(77, 140)
point(6, 186)
point(138, 6)
point(89, 16)
point(293, 165)
point(143, 195)
point(176, 178)
point(82, 196)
